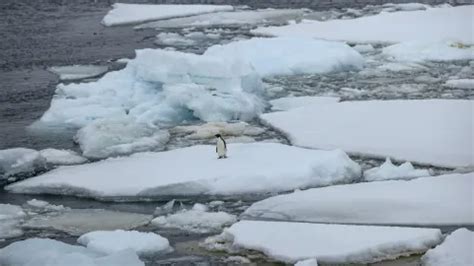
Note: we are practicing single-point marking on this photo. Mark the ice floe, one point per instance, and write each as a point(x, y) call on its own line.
point(197, 219)
point(363, 48)
point(456, 250)
point(307, 262)
point(431, 25)
point(76, 72)
point(44, 206)
point(286, 56)
point(429, 51)
point(288, 103)
point(171, 38)
point(209, 130)
point(136, 13)
point(20, 162)
point(38, 251)
point(228, 18)
point(437, 132)
point(268, 167)
point(441, 200)
point(290, 242)
point(109, 242)
point(62, 157)
point(10, 218)
point(390, 171)
point(460, 84)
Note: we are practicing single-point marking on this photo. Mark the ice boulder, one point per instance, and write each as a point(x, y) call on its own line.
point(441, 200)
point(267, 167)
point(390, 171)
point(290, 242)
point(456, 250)
point(110, 242)
point(38, 251)
point(62, 157)
point(287, 56)
point(10, 218)
point(20, 162)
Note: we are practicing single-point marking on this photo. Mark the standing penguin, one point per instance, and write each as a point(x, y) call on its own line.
point(221, 147)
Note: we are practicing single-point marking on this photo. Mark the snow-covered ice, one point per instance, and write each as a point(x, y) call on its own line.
point(390, 171)
point(307, 262)
point(437, 132)
point(62, 157)
point(429, 51)
point(288, 103)
point(10, 217)
point(209, 130)
point(431, 25)
point(441, 200)
point(110, 242)
point(20, 161)
point(117, 136)
point(195, 170)
point(171, 38)
point(290, 242)
point(76, 72)
point(38, 251)
point(81, 221)
point(456, 250)
point(197, 220)
point(44, 205)
point(286, 56)
point(136, 13)
point(460, 84)
point(363, 48)
point(228, 18)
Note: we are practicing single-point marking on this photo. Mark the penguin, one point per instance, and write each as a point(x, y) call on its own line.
point(221, 147)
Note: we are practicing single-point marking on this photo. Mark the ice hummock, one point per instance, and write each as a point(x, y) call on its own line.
point(136, 13)
point(10, 218)
point(456, 250)
point(76, 72)
point(20, 162)
point(390, 171)
point(436, 132)
point(441, 200)
point(110, 242)
point(269, 167)
point(45, 251)
point(290, 242)
point(287, 56)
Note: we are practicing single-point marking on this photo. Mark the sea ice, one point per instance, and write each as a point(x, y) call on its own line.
point(268, 167)
point(363, 48)
point(38, 251)
point(460, 84)
point(44, 205)
point(441, 200)
point(10, 218)
point(290, 242)
point(20, 161)
point(429, 51)
point(288, 103)
point(210, 129)
point(436, 132)
point(390, 171)
point(62, 157)
point(136, 13)
point(76, 72)
point(170, 38)
point(109, 242)
point(307, 262)
point(456, 250)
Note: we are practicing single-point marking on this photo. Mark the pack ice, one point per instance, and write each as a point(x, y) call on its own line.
point(268, 167)
point(290, 242)
point(441, 200)
point(10, 218)
point(136, 13)
point(436, 132)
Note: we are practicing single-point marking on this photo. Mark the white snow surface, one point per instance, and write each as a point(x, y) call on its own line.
point(17, 161)
point(390, 171)
point(62, 157)
point(307, 262)
point(437, 132)
point(287, 56)
point(76, 72)
point(38, 251)
point(10, 218)
point(288, 103)
point(460, 84)
point(456, 250)
point(196, 170)
point(197, 219)
point(330, 243)
point(431, 25)
point(136, 13)
point(110, 242)
point(441, 200)
point(417, 51)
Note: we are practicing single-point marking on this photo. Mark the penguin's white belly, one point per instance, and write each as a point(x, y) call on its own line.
point(221, 150)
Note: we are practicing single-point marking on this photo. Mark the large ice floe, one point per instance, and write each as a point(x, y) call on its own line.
point(268, 167)
point(431, 25)
point(38, 251)
point(437, 132)
point(136, 13)
point(290, 242)
point(10, 218)
point(441, 200)
point(110, 242)
point(456, 250)
point(390, 171)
